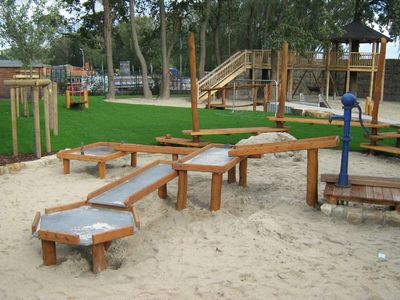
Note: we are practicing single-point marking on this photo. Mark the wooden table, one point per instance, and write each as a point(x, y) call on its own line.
point(214, 159)
point(100, 152)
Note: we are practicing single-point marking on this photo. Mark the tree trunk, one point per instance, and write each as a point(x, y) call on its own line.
point(203, 29)
point(164, 92)
point(216, 34)
point(146, 90)
point(108, 46)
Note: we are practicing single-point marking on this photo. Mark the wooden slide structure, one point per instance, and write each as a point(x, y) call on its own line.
point(196, 132)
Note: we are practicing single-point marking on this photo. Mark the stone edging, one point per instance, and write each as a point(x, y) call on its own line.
point(16, 167)
point(358, 215)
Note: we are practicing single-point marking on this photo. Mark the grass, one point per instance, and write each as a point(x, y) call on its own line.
point(128, 123)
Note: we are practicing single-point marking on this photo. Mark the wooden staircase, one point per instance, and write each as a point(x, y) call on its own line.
point(395, 150)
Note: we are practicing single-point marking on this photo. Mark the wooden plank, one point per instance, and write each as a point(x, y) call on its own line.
point(35, 222)
point(216, 188)
point(49, 253)
point(378, 193)
point(369, 193)
point(228, 131)
point(180, 141)
point(296, 145)
point(386, 149)
point(396, 194)
point(365, 180)
point(59, 237)
point(135, 148)
point(69, 206)
point(98, 258)
point(385, 135)
point(325, 122)
point(312, 177)
point(27, 82)
point(112, 235)
point(182, 191)
point(136, 217)
point(387, 194)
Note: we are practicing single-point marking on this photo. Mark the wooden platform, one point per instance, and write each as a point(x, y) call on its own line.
point(229, 131)
point(325, 122)
point(364, 189)
point(385, 149)
point(180, 141)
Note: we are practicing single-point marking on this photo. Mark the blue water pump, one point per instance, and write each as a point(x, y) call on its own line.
point(349, 102)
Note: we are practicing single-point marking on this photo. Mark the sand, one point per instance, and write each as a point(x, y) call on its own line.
point(264, 243)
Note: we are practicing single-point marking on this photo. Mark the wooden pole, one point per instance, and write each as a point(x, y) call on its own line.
point(98, 258)
point(163, 192)
point(232, 175)
point(348, 70)
point(49, 253)
point(55, 108)
point(327, 72)
point(312, 177)
point(378, 85)
point(26, 106)
point(371, 81)
point(182, 190)
point(14, 121)
point(216, 188)
point(17, 101)
point(36, 121)
point(283, 89)
point(47, 118)
point(51, 108)
point(243, 173)
point(193, 85)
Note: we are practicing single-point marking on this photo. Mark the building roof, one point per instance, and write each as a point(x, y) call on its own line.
point(358, 32)
point(6, 63)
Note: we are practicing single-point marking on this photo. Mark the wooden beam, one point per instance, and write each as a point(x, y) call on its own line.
point(49, 253)
point(35, 222)
point(229, 131)
point(325, 122)
point(163, 192)
point(27, 82)
point(193, 84)
point(59, 237)
point(98, 258)
point(243, 173)
point(134, 148)
point(390, 182)
point(69, 206)
point(296, 145)
point(112, 235)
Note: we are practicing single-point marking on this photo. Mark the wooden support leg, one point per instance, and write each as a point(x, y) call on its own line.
point(133, 159)
point(36, 122)
point(175, 157)
point(312, 177)
point(49, 253)
point(102, 169)
point(162, 192)
point(107, 245)
point(232, 175)
point(182, 190)
point(98, 258)
point(243, 173)
point(14, 121)
point(216, 187)
point(66, 164)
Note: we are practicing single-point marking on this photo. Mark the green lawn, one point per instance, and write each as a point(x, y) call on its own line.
point(141, 124)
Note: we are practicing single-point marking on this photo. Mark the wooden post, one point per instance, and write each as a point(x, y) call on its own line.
point(51, 108)
point(17, 100)
point(290, 85)
point(243, 173)
point(133, 159)
point(55, 108)
point(14, 121)
point(26, 106)
point(86, 98)
point(175, 157)
point(98, 258)
point(348, 69)
point(371, 81)
point(216, 187)
point(223, 95)
point(327, 73)
point(283, 89)
point(209, 99)
point(254, 92)
point(66, 164)
point(312, 177)
point(36, 121)
point(193, 85)
point(101, 165)
point(378, 87)
point(232, 175)
point(47, 118)
point(162, 192)
point(182, 190)
point(67, 100)
point(49, 253)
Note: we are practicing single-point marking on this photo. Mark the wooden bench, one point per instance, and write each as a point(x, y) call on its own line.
point(385, 149)
point(364, 189)
point(325, 122)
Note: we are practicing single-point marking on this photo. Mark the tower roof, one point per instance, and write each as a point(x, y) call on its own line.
point(358, 32)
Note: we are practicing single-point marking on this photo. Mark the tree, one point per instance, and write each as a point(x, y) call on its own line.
point(29, 28)
point(146, 90)
point(203, 28)
point(107, 26)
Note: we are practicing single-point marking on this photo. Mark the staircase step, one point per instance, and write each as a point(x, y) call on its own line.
point(386, 149)
point(385, 135)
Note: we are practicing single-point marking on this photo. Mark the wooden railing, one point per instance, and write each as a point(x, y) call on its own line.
point(361, 60)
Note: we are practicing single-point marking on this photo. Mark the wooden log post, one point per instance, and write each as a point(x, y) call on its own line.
point(182, 190)
point(232, 175)
point(86, 98)
point(36, 121)
point(193, 86)
point(67, 167)
point(378, 88)
point(26, 106)
point(312, 177)
point(243, 173)
point(55, 108)
point(49, 253)
point(216, 188)
point(163, 192)
point(98, 258)
point(14, 121)
point(283, 89)
point(133, 159)
point(67, 100)
point(175, 157)
point(17, 96)
point(101, 166)
point(47, 118)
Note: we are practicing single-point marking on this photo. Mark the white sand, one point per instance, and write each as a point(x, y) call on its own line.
point(264, 243)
